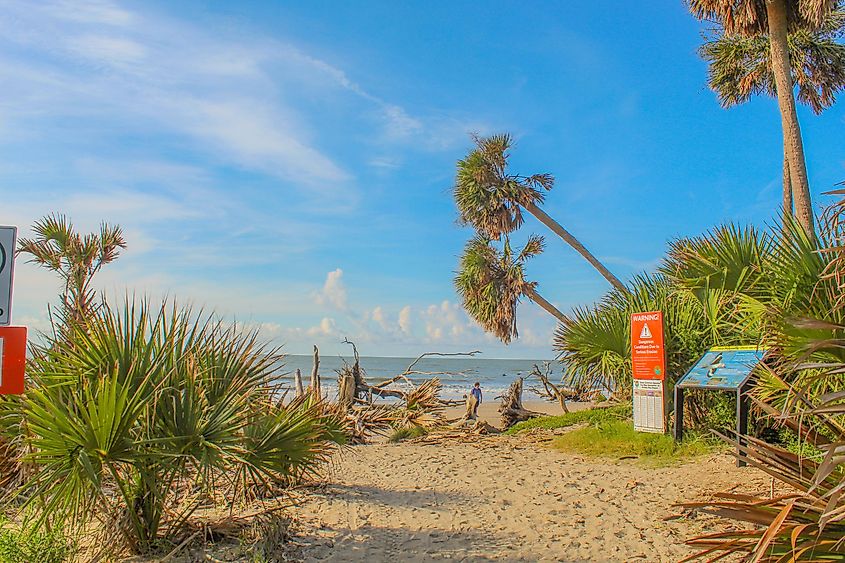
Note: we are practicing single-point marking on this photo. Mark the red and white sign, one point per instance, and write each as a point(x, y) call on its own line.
point(648, 365)
point(12, 359)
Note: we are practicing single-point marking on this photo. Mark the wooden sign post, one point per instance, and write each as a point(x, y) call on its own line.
point(648, 365)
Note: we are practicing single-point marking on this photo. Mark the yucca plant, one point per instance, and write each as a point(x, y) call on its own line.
point(144, 413)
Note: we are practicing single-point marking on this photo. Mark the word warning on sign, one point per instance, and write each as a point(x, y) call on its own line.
point(648, 364)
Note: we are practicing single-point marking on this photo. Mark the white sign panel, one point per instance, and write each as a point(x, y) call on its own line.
point(649, 405)
point(7, 263)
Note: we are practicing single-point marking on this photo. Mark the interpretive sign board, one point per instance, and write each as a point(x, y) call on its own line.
point(12, 359)
point(648, 364)
point(726, 368)
point(723, 368)
point(7, 266)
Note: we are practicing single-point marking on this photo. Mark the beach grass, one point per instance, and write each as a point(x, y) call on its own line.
point(617, 439)
point(406, 433)
point(590, 416)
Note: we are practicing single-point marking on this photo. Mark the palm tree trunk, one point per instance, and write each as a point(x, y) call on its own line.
point(541, 301)
point(793, 145)
point(558, 229)
point(787, 188)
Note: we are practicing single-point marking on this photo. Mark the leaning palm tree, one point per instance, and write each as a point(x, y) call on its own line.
point(491, 283)
point(740, 67)
point(491, 199)
point(75, 257)
point(775, 18)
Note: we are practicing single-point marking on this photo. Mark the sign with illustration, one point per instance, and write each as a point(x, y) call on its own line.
point(12, 359)
point(7, 263)
point(727, 368)
point(648, 357)
point(648, 363)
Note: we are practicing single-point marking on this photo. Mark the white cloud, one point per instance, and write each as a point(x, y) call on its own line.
point(405, 319)
point(334, 291)
point(327, 327)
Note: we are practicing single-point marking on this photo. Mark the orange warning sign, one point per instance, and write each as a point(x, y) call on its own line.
point(648, 356)
point(12, 359)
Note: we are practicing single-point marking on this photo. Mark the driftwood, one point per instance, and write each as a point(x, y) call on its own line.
point(297, 380)
point(315, 375)
point(364, 392)
point(511, 408)
point(551, 391)
point(560, 394)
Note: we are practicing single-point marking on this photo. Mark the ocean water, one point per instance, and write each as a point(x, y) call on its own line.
point(495, 376)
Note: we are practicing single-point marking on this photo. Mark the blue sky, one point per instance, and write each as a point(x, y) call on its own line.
point(288, 164)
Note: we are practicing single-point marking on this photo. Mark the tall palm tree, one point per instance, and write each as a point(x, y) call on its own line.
point(741, 66)
point(491, 283)
point(491, 199)
point(75, 257)
point(775, 18)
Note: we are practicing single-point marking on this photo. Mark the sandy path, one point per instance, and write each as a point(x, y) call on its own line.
point(506, 499)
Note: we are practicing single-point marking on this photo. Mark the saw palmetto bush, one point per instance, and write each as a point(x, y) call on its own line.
point(804, 392)
point(595, 342)
point(143, 414)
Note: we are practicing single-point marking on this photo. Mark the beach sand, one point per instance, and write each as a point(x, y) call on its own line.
point(507, 498)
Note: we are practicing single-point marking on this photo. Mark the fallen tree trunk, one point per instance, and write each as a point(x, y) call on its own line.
point(511, 408)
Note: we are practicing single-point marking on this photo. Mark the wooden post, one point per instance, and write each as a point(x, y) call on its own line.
point(315, 375)
point(297, 381)
point(679, 413)
point(346, 389)
point(741, 424)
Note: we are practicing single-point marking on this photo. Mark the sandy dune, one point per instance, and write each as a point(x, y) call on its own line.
point(506, 499)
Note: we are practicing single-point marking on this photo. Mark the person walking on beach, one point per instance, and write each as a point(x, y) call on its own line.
point(476, 392)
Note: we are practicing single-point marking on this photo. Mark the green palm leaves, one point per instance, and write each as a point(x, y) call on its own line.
point(491, 283)
point(140, 414)
point(76, 258)
point(488, 197)
point(741, 66)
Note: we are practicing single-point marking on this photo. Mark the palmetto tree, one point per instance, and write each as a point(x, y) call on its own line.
point(491, 199)
point(775, 18)
point(75, 257)
point(491, 283)
point(741, 66)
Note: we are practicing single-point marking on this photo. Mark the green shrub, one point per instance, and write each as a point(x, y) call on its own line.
point(30, 545)
point(405, 433)
point(592, 416)
point(151, 407)
point(617, 439)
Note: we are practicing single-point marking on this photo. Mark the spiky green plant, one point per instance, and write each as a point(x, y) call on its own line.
point(803, 392)
point(76, 258)
point(142, 414)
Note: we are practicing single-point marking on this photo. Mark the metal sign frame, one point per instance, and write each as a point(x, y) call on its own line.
point(8, 240)
point(740, 389)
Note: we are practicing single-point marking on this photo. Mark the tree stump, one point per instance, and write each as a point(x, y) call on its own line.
point(472, 405)
point(315, 376)
point(346, 388)
point(511, 408)
point(297, 380)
